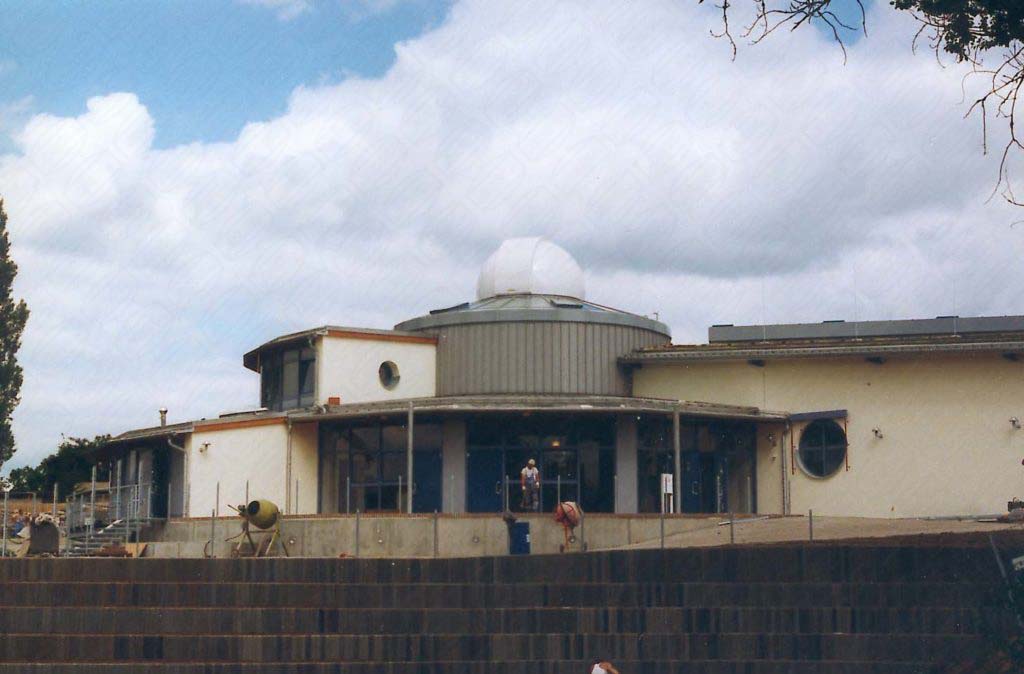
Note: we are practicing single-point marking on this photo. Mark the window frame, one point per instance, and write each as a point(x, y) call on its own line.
point(276, 366)
point(824, 448)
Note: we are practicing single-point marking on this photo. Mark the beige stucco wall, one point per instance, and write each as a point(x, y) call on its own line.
point(948, 447)
point(234, 455)
point(304, 469)
point(348, 369)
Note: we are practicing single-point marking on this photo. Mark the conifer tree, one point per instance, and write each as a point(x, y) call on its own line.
point(13, 316)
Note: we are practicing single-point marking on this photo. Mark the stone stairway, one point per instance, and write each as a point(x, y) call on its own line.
point(755, 610)
point(83, 544)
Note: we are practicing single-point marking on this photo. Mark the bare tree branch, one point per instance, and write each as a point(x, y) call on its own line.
point(973, 31)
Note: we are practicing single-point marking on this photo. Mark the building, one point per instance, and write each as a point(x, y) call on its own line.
point(878, 418)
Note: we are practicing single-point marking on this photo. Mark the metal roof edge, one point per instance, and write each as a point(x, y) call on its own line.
point(183, 428)
point(249, 358)
point(536, 403)
point(554, 315)
point(901, 327)
point(703, 353)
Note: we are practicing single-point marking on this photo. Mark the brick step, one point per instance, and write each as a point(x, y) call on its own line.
point(494, 648)
point(452, 667)
point(474, 595)
point(448, 621)
point(787, 563)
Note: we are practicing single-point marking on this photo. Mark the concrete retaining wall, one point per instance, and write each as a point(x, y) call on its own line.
point(416, 536)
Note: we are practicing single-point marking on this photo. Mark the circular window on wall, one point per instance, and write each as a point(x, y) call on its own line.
point(388, 373)
point(822, 448)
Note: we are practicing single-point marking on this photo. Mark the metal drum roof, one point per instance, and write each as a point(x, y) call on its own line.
point(530, 308)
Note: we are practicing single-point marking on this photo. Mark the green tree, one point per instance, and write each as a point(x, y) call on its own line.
point(70, 464)
point(13, 316)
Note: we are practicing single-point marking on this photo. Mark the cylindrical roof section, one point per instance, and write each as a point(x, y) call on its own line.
point(535, 344)
point(527, 308)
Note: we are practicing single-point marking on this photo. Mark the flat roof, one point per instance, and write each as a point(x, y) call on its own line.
point(154, 432)
point(914, 327)
point(1008, 344)
point(251, 359)
point(538, 403)
point(453, 404)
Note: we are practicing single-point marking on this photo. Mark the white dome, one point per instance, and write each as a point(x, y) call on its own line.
point(530, 265)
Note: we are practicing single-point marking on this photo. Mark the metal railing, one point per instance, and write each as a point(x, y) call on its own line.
point(131, 503)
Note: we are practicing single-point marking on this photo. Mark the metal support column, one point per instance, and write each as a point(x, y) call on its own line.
point(92, 505)
point(138, 500)
point(408, 460)
point(118, 493)
point(677, 467)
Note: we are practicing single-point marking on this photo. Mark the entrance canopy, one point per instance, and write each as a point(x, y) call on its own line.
point(547, 403)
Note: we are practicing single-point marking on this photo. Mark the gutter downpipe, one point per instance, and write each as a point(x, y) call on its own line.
point(288, 473)
point(785, 469)
point(184, 477)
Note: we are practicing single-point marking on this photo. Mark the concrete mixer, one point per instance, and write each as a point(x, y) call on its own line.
point(265, 516)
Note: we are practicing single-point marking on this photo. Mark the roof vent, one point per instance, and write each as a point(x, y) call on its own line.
point(457, 307)
point(565, 305)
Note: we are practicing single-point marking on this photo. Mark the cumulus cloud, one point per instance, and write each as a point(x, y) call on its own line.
point(783, 186)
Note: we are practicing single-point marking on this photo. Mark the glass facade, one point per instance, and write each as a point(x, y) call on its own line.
point(287, 378)
point(363, 464)
point(364, 467)
point(717, 464)
point(655, 455)
point(575, 456)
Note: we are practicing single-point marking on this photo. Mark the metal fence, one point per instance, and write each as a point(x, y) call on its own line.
point(131, 503)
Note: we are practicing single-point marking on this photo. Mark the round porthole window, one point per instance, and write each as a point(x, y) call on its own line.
point(388, 373)
point(822, 448)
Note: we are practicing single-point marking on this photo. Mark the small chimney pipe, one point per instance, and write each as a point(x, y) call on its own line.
point(163, 416)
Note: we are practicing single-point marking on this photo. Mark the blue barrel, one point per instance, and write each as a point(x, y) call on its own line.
point(519, 538)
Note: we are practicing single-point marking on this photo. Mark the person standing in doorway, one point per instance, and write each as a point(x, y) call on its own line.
point(530, 480)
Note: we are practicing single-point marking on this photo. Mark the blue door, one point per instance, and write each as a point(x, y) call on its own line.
point(483, 481)
point(426, 471)
point(691, 482)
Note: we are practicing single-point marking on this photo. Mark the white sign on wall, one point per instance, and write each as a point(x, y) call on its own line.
point(666, 483)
